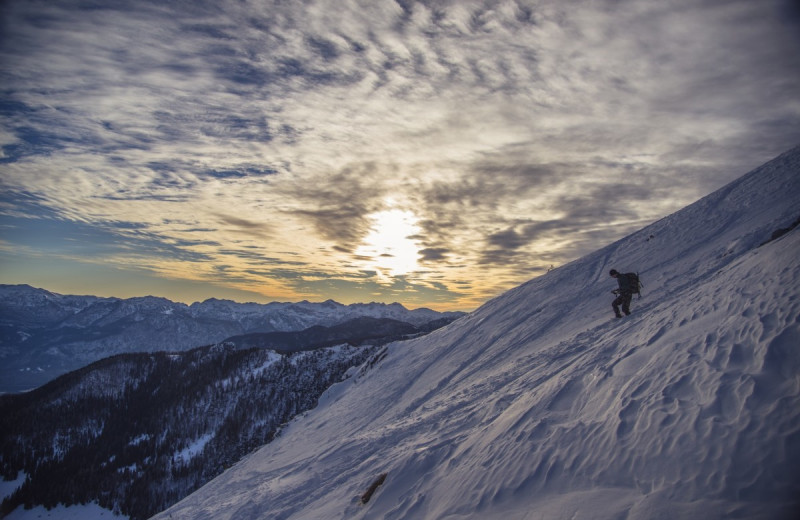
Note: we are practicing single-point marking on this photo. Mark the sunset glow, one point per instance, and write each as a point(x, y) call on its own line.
point(430, 153)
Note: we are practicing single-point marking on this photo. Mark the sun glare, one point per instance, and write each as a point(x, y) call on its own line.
point(389, 245)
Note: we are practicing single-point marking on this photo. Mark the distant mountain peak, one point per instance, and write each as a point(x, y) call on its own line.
point(47, 334)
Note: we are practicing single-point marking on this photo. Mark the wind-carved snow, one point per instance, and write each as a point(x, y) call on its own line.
point(539, 405)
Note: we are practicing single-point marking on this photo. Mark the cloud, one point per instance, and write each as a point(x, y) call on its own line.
point(433, 254)
point(258, 139)
point(339, 204)
point(256, 229)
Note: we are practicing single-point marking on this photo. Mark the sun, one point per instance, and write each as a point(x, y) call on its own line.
point(390, 245)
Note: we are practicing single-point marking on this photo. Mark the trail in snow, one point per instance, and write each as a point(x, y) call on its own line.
point(540, 405)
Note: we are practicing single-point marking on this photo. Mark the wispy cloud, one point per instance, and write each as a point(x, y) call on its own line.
point(253, 143)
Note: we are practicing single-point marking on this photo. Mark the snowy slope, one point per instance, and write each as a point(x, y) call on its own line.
point(540, 406)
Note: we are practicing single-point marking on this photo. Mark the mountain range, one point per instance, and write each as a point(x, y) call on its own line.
point(44, 334)
point(136, 431)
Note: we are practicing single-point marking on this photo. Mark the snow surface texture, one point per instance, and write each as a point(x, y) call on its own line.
point(540, 405)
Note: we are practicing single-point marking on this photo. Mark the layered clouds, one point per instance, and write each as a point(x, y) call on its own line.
point(433, 153)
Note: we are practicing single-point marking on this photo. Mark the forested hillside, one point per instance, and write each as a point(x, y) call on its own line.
point(137, 432)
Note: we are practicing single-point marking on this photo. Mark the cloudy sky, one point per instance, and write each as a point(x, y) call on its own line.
point(431, 152)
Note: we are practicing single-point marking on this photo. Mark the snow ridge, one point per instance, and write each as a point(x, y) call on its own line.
point(541, 405)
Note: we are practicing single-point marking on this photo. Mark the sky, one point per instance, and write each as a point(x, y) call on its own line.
point(434, 153)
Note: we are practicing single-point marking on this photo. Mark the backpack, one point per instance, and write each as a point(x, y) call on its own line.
point(635, 283)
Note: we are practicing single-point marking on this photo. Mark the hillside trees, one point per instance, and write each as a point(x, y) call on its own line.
point(138, 432)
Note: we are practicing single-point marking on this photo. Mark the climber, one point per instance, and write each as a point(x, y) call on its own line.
point(628, 286)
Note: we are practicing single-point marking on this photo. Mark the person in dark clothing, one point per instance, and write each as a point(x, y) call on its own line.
point(624, 293)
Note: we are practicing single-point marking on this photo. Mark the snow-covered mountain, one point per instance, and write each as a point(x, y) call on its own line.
point(540, 405)
point(44, 334)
